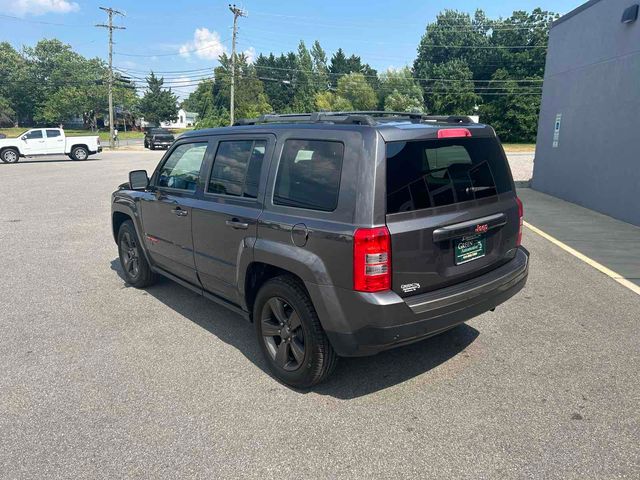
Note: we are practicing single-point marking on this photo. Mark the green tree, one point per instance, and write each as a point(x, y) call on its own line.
point(355, 88)
point(330, 102)
point(305, 86)
point(278, 76)
point(250, 98)
point(342, 65)
point(201, 100)
point(15, 86)
point(7, 114)
point(320, 67)
point(514, 113)
point(451, 90)
point(158, 104)
point(400, 92)
point(454, 35)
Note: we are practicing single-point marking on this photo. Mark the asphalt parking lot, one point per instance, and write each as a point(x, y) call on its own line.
point(98, 380)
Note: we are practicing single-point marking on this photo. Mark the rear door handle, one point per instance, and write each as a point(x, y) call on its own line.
point(237, 224)
point(180, 212)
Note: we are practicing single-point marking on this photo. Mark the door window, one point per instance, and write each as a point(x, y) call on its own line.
point(53, 133)
point(34, 134)
point(182, 168)
point(236, 168)
point(309, 174)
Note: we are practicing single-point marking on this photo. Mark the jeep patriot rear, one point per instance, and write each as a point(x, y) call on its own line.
point(336, 234)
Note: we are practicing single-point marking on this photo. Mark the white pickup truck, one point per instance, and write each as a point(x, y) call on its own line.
point(48, 141)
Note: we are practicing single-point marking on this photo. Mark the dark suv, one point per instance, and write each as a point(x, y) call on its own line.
point(158, 138)
point(336, 234)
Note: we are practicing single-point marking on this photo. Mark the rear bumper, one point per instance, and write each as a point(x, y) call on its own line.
point(360, 324)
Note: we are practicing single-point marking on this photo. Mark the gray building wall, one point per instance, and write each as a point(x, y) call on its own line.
point(592, 78)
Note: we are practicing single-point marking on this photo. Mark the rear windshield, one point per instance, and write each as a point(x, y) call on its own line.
point(435, 173)
point(160, 131)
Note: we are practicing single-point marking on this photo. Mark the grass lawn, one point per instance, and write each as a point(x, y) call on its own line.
point(520, 147)
point(104, 135)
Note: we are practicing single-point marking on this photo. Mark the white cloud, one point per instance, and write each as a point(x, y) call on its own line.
point(250, 53)
point(23, 8)
point(205, 44)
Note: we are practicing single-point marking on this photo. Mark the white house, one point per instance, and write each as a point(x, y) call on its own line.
point(185, 120)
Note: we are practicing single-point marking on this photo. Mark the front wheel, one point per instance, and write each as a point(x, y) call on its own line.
point(290, 335)
point(152, 146)
point(10, 156)
point(79, 153)
point(134, 264)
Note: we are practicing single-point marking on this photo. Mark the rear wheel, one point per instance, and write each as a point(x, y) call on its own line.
point(10, 155)
point(134, 264)
point(290, 335)
point(79, 153)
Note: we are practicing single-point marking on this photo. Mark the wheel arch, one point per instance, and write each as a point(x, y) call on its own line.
point(83, 145)
point(11, 147)
point(259, 273)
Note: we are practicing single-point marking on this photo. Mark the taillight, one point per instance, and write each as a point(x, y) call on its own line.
point(454, 133)
point(372, 259)
point(521, 220)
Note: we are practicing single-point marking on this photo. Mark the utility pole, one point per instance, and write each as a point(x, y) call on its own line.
point(237, 12)
point(111, 27)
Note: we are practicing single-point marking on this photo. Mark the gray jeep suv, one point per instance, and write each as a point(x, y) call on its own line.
point(336, 234)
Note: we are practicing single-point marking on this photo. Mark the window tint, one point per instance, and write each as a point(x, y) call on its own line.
point(436, 173)
point(182, 168)
point(53, 133)
point(309, 174)
point(34, 134)
point(236, 168)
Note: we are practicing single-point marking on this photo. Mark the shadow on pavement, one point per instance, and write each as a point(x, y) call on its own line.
point(353, 377)
point(54, 160)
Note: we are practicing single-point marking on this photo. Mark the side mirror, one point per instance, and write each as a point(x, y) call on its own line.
point(138, 180)
point(24, 137)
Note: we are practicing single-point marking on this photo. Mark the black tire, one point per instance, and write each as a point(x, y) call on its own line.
point(134, 264)
point(10, 155)
point(146, 145)
point(298, 353)
point(79, 153)
point(152, 146)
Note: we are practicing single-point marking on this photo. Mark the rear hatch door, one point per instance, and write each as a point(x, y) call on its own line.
point(451, 210)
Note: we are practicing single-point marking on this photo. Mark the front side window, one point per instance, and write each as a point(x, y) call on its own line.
point(236, 168)
point(34, 134)
point(309, 175)
point(182, 168)
point(53, 133)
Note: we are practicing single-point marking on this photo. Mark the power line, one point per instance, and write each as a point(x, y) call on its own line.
point(41, 22)
point(151, 55)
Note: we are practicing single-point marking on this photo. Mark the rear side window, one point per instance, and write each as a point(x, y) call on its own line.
point(53, 133)
point(236, 168)
point(436, 173)
point(309, 175)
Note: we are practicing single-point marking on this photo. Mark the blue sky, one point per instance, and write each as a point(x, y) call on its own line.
point(169, 36)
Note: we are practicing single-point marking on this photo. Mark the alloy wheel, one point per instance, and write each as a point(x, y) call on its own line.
point(283, 334)
point(130, 257)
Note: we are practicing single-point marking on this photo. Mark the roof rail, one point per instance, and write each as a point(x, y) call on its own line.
point(353, 118)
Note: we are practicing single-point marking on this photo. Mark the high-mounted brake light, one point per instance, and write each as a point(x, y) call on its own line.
point(454, 133)
point(521, 220)
point(372, 259)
